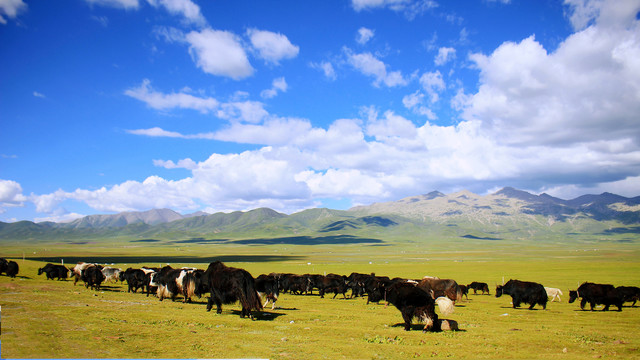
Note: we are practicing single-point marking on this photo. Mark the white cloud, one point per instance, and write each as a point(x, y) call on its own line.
point(186, 8)
point(433, 84)
point(248, 111)
point(410, 8)
point(181, 164)
point(445, 54)
point(327, 68)
point(156, 132)
point(160, 101)
point(415, 102)
point(10, 194)
point(535, 116)
point(11, 9)
point(124, 4)
point(605, 13)
point(627, 187)
point(219, 53)
point(528, 96)
point(40, 95)
point(272, 47)
point(278, 85)
point(274, 131)
point(364, 35)
point(369, 65)
point(159, 132)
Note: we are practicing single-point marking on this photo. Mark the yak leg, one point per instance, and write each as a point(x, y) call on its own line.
point(407, 315)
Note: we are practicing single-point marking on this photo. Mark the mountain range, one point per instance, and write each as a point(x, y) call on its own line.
point(506, 214)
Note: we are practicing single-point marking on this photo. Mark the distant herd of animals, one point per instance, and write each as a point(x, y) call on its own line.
point(413, 298)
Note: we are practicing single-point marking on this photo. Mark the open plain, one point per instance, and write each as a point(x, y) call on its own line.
point(55, 319)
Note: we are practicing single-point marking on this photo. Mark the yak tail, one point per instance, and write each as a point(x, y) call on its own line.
point(445, 305)
point(251, 299)
point(188, 286)
point(458, 293)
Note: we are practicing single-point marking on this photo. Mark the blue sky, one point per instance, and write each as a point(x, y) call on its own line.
point(129, 105)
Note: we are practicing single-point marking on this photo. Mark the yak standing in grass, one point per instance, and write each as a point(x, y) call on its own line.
point(596, 294)
point(629, 293)
point(442, 287)
point(52, 271)
point(524, 292)
point(228, 285)
point(92, 276)
point(414, 301)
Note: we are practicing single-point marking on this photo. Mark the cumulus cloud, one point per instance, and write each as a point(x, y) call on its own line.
point(541, 116)
point(364, 35)
point(10, 194)
point(11, 9)
point(160, 101)
point(219, 53)
point(272, 47)
point(371, 66)
point(529, 96)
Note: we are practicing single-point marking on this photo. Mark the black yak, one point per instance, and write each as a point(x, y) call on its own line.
point(228, 285)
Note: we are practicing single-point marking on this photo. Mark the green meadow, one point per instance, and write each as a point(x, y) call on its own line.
point(55, 319)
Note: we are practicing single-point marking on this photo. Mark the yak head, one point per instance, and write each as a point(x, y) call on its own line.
point(498, 290)
point(573, 295)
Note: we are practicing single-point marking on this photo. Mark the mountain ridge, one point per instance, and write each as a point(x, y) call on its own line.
point(507, 212)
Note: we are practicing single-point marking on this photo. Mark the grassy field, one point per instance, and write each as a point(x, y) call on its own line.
point(54, 319)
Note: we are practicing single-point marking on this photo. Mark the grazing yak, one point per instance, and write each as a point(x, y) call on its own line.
point(442, 287)
point(629, 293)
point(524, 292)
point(92, 276)
point(135, 279)
point(173, 282)
point(597, 294)
point(228, 285)
point(10, 268)
point(54, 271)
point(111, 274)
point(465, 291)
point(414, 301)
point(77, 270)
point(479, 286)
point(337, 284)
point(268, 288)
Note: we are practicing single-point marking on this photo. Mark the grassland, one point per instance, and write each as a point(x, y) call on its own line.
point(54, 319)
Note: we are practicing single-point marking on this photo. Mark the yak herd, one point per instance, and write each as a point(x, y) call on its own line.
point(413, 298)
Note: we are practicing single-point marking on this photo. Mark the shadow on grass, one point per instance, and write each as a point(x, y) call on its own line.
point(420, 327)
point(261, 315)
point(285, 240)
point(166, 259)
point(111, 288)
point(310, 240)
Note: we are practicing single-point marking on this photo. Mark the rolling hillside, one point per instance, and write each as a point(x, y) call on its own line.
point(506, 214)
